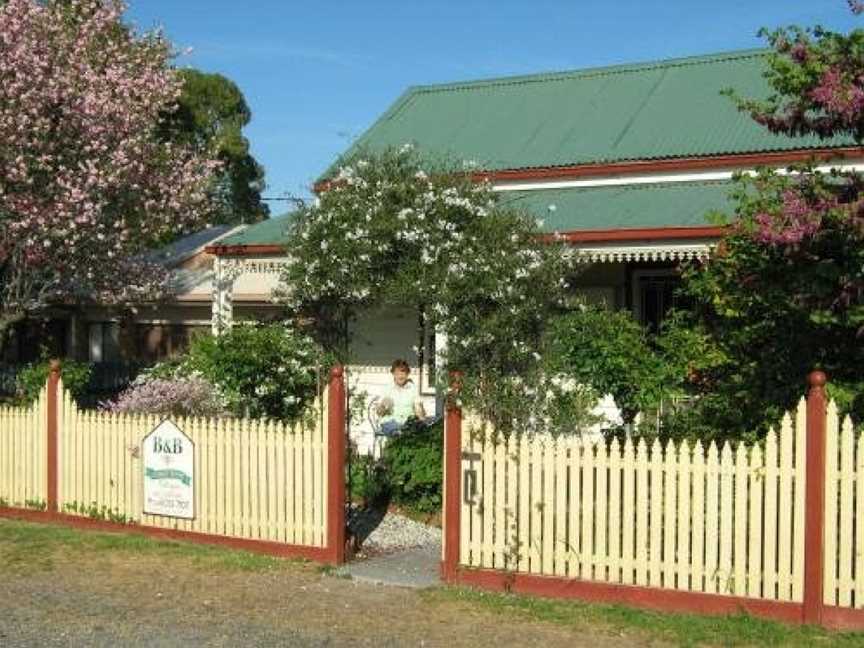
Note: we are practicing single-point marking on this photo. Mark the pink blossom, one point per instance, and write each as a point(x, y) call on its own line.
point(82, 168)
point(796, 221)
point(838, 95)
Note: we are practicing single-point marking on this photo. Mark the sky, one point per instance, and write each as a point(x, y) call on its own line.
point(316, 75)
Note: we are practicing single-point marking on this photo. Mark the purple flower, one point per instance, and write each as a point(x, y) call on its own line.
point(180, 397)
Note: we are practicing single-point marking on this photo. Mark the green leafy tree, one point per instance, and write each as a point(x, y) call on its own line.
point(266, 371)
point(210, 115)
point(782, 295)
point(611, 352)
point(414, 467)
point(33, 377)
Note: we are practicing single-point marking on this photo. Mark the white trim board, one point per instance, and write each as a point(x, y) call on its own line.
point(653, 178)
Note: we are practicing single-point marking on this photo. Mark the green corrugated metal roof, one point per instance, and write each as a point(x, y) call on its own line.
point(664, 109)
point(683, 204)
point(268, 232)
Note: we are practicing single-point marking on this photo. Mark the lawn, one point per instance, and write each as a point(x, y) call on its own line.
point(31, 550)
point(677, 629)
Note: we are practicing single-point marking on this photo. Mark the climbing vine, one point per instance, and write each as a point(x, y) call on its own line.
point(394, 229)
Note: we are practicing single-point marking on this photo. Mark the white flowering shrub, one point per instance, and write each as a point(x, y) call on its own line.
point(392, 229)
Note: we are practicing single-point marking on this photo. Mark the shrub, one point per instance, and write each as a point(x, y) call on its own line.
point(268, 371)
point(368, 480)
point(414, 464)
point(653, 375)
point(31, 379)
point(177, 397)
point(610, 351)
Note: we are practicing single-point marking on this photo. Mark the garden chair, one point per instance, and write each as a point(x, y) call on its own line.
point(374, 418)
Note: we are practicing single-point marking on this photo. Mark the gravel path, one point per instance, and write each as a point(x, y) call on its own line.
point(380, 533)
point(392, 549)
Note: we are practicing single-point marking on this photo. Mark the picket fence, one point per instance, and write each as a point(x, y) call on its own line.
point(23, 476)
point(656, 524)
point(262, 485)
point(844, 530)
point(673, 516)
point(254, 479)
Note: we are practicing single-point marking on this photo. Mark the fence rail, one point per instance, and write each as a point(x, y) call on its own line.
point(675, 526)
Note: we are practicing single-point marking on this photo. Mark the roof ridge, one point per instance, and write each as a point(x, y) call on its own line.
point(592, 72)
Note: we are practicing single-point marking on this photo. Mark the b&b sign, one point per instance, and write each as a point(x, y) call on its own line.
point(169, 472)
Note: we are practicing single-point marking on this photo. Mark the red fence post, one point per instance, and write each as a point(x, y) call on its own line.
point(452, 482)
point(52, 416)
point(336, 466)
point(814, 503)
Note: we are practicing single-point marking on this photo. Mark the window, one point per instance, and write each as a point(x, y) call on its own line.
point(654, 295)
point(156, 342)
point(104, 342)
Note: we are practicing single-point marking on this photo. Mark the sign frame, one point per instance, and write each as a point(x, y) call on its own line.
point(183, 476)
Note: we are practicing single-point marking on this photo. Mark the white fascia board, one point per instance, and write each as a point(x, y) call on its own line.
point(655, 178)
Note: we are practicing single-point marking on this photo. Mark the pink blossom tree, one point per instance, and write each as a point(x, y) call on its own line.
point(784, 291)
point(86, 184)
point(817, 78)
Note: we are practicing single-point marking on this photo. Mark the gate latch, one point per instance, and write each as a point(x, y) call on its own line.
point(469, 478)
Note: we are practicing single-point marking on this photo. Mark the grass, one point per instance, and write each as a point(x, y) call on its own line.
point(677, 629)
point(26, 546)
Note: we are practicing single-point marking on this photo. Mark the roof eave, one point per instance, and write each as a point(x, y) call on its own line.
point(646, 166)
point(245, 250)
point(639, 234)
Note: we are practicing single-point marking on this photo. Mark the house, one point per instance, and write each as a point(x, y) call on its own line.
point(116, 342)
point(626, 162)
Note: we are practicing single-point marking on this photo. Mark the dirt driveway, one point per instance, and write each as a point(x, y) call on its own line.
point(87, 594)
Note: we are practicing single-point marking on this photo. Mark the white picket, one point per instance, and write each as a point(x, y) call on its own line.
point(845, 581)
point(685, 520)
point(697, 528)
